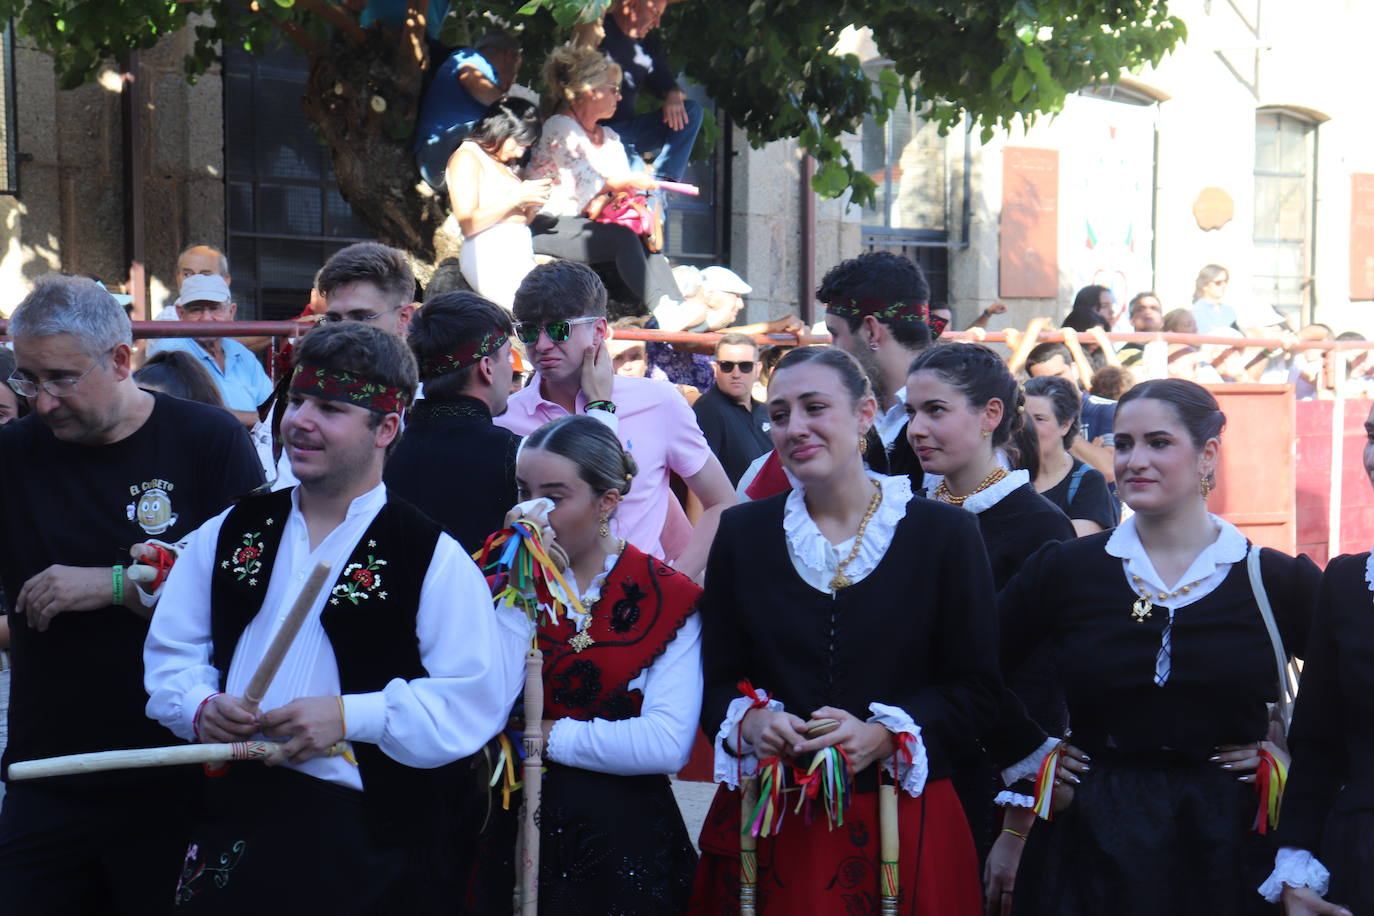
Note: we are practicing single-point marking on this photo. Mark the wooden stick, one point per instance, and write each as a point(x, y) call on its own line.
point(818, 727)
point(137, 758)
point(276, 652)
point(890, 846)
point(748, 847)
point(534, 762)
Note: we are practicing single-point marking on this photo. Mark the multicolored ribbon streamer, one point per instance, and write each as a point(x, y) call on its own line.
point(1044, 783)
point(828, 778)
point(759, 700)
point(504, 771)
point(522, 574)
point(766, 819)
point(1270, 778)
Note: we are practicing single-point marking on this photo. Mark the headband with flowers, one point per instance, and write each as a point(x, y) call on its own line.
point(882, 309)
point(318, 382)
point(464, 355)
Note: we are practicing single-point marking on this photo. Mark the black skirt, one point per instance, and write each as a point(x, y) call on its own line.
point(608, 846)
point(1157, 835)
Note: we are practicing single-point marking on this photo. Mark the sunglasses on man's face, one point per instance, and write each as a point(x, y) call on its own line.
point(727, 366)
point(558, 331)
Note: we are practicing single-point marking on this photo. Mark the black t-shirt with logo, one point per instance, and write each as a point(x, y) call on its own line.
point(78, 686)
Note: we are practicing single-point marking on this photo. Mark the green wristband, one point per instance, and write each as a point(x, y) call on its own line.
point(607, 406)
point(117, 584)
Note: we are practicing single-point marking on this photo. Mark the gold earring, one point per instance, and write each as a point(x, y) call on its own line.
point(605, 529)
point(863, 445)
point(1206, 486)
point(986, 433)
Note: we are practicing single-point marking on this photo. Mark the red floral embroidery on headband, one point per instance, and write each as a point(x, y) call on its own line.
point(464, 355)
point(883, 309)
point(348, 388)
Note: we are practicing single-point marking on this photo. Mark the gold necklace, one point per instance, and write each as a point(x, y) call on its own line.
point(1143, 606)
point(583, 639)
point(840, 580)
point(942, 491)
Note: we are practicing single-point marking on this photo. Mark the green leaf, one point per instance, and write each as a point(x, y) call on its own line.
point(1020, 85)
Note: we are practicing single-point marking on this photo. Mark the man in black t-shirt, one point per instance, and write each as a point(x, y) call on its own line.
point(735, 425)
point(99, 466)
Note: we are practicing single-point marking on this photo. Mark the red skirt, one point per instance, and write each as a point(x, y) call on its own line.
point(809, 868)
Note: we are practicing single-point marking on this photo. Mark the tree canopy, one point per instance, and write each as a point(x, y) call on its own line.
point(769, 65)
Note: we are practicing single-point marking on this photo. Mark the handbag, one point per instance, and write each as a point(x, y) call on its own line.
point(634, 211)
point(1288, 688)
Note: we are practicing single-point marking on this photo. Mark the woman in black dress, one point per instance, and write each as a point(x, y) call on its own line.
point(1167, 663)
point(966, 412)
point(1328, 807)
point(845, 599)
point(1052, 406)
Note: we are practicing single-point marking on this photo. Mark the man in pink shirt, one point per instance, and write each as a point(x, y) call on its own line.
point(560, 315)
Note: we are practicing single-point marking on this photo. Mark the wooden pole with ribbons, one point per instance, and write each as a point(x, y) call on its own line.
point(748, 846)
point(889, 841)
point(533, 779)
point(137, 758)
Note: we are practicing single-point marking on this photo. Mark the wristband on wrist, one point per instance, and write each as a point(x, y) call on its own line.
point(608, 406)
point(1015, 833)
point(343, 721)
point(117, 584)
point(195, 720)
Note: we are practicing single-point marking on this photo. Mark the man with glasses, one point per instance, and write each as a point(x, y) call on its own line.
point(735, 425)
point(241, 380)
point(371, 283)
point(560, 312)
point(98, 466)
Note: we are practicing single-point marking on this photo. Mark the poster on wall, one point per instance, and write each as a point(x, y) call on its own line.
point(1029, 248)
point(1108, 207)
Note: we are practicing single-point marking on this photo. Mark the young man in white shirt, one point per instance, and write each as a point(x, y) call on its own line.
point(402, 656)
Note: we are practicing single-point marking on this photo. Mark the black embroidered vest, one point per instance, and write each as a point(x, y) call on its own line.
point(370, 621)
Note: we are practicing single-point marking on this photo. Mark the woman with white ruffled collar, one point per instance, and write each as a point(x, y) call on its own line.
point(846, 599)
point(1168, 662)
point(966, 419)
point(1328, 807)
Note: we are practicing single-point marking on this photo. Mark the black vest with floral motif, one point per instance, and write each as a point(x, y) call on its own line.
point(370, 621)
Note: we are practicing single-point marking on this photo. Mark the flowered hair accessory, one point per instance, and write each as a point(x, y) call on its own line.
point(882, 309)
point(318, 382)
point(468, 353)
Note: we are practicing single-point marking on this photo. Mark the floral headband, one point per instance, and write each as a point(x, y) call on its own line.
point(882, 309)
point(318, 382)
point(464, 355)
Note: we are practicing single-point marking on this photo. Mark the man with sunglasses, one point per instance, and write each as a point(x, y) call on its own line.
point(560, 316)
point(735, 425)
point(98, 466)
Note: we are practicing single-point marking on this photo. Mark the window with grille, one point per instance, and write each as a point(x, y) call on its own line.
point(9, 153)
point(1285, 179)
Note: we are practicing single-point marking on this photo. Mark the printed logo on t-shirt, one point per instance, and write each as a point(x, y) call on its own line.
point(152, 505)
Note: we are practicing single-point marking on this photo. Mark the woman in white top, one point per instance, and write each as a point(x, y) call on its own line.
point(622, 691)
point(588, 163)
point(492, 204)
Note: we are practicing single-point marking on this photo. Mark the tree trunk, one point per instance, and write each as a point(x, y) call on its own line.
point(363, 101)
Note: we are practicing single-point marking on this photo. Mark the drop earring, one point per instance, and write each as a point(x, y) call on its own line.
point(863, 445)
point(1206, 486)
point(605, 529)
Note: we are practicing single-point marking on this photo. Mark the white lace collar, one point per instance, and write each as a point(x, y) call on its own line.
point(591, 595)
point(1369, 572)
point(984, 500)
point(1216, 558)
point(810, 548)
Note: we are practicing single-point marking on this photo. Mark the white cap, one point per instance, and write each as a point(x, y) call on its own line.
point(688, 280)
point(725, 280)
point(203, 288)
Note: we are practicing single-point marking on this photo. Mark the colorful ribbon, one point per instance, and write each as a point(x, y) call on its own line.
point(504, 771)
point(1271, 776)
point(1044, 783)
point(521, 574)
point(760, 700)
point(828, 778)
point(766, 819)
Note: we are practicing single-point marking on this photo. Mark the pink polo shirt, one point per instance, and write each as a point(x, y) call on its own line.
point(657, 427)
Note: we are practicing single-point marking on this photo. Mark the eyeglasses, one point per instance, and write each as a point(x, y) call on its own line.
point(728, 365)
point(558, 331)
point(57, 387)
point(355, 315)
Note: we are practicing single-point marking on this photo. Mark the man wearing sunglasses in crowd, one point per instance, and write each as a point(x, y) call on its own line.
point(735, 425)
point(98, 466)
point(560, 317)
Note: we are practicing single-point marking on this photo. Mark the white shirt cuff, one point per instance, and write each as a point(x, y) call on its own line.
point(1030, 766)
point(911, 776)
point(1007, 799)
point(551, 746)
point(605, 416)
point(1295, 868)
point(729, 768)
point(364, 716)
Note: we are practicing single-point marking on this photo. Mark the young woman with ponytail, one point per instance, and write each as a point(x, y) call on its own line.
point(967, 418)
